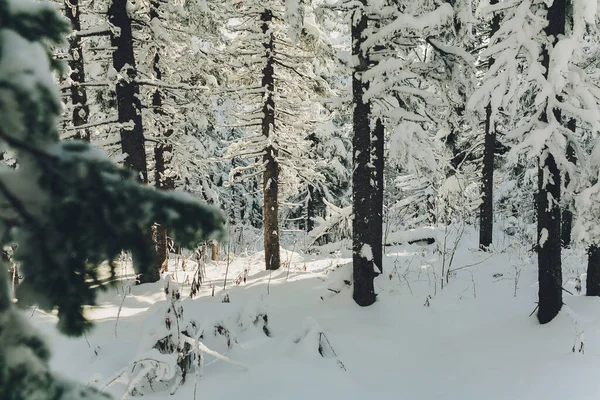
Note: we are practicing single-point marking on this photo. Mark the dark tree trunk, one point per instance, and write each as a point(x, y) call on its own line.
point(313, 207)
point(271, 173)
point(548, 210)
point(129, 108)
point(163, 182)
point(162, 154)
point(486, 210)
point(549, 249)
point(567, 214)
point(127, 90)
point(364, 291)
point(431, 209)
point(593, 272)
point(77, 74)
point(377, 160)
point(314, 204)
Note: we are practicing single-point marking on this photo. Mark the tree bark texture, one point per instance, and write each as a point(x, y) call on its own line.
point(129, 107)
point(271, 173)
point(593, 272)
point(363, 272)
point(76, 64)
point(548, 199)
point(127, 90)
point(163, 180)
point(486, 209)
point(314, 207)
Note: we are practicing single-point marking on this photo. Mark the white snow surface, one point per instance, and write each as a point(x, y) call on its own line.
point(473, 339)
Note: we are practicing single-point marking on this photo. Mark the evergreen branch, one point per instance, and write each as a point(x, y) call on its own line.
point(84, 84)
point(241, 125)
point(18, 144)
point(18, 206)
point(93, 124)
point(161, 84)
point(289, 67)
point(100, 31)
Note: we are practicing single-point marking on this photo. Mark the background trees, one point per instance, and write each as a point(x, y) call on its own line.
point(255, 107)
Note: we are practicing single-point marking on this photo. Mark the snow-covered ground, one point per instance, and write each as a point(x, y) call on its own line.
point(473, 338)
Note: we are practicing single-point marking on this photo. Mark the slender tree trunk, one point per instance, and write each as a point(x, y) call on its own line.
point(486, 210)
point(162, 153)
point(214, 254)
point(77, 72)
point(312, 207)
point(127, 90)
point(567, 214)
point(163, 182)
point(593, 272)
point(315, 208)
point(548, 207)
point(377, 160)
point(271, 173)
point(364, 291)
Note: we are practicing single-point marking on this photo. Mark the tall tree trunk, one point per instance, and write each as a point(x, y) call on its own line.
point(548, 207)
point(163, 180)
point(486, 209)
point(271, 173)
point(593, 272)
point(363, 266)
point(315, 205)
point(129, 108)
point(81, 110)
point(127, 90)
point(377, 160)
point(567, 214)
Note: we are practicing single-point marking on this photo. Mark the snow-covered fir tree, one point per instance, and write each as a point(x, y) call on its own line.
point(275, 70)
point(542, 97)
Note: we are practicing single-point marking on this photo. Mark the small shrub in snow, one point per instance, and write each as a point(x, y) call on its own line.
point(171, 358)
